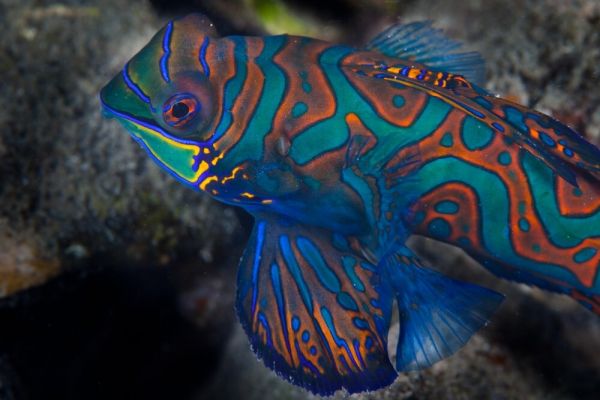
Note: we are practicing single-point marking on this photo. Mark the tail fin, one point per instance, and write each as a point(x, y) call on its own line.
point(438, 315)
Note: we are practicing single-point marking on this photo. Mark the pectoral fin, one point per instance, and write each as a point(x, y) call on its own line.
point(312, 309)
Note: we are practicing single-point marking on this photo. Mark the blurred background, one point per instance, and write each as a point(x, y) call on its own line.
point(118, 282)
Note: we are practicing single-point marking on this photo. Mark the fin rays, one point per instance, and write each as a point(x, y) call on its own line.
point(438, 315)
point(307, 317)
point(420, 42)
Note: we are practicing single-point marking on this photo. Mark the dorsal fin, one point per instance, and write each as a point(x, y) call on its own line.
point(420, 42)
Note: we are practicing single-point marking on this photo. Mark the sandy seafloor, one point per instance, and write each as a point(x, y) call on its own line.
point(117, 282)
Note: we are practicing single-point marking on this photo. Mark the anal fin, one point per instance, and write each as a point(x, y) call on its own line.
point(438, 315)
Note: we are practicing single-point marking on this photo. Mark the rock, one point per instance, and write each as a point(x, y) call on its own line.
point(70, 176)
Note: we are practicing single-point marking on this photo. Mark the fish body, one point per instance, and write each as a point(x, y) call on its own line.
point(341, 154)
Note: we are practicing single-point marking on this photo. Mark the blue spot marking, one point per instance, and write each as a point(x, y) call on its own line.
point(369, 342)
point(313, 350)
point(577, 192)
point(447, 140)
point(305, 336)
point(348, 263)
point(360, 323)
point(584, 255)
point(548, 141)
point(303, 361)
point(475, 134)
point(295, 323)
point(325, 274)
point(568, 152)
point(471, 110)
point(260, 237)
point(439, 228)
point(515, 117)
point(498, 126)
point(504, 158)
point(299, 109)
point(524, 225)
point(295, 271)
point(307, 87)
point(135, 88)
point(346, 301)
point(398, 101)
point(447, 207)
point(202, 57)
point(164, 68)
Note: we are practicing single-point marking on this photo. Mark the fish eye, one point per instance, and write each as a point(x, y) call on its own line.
point(180, 109)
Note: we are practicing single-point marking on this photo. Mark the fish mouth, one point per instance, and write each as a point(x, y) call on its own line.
point(112, 113)
point(107, 111)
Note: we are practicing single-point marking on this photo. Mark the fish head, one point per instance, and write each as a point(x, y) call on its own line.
point(165, 99)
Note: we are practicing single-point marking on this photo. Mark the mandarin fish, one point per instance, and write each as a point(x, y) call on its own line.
point(340, 154)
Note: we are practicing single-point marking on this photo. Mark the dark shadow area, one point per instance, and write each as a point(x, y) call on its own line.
point(538, 336)
point(554, 343)
point(106, 333)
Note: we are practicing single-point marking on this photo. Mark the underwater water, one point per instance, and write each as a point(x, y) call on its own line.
point(118, 282)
